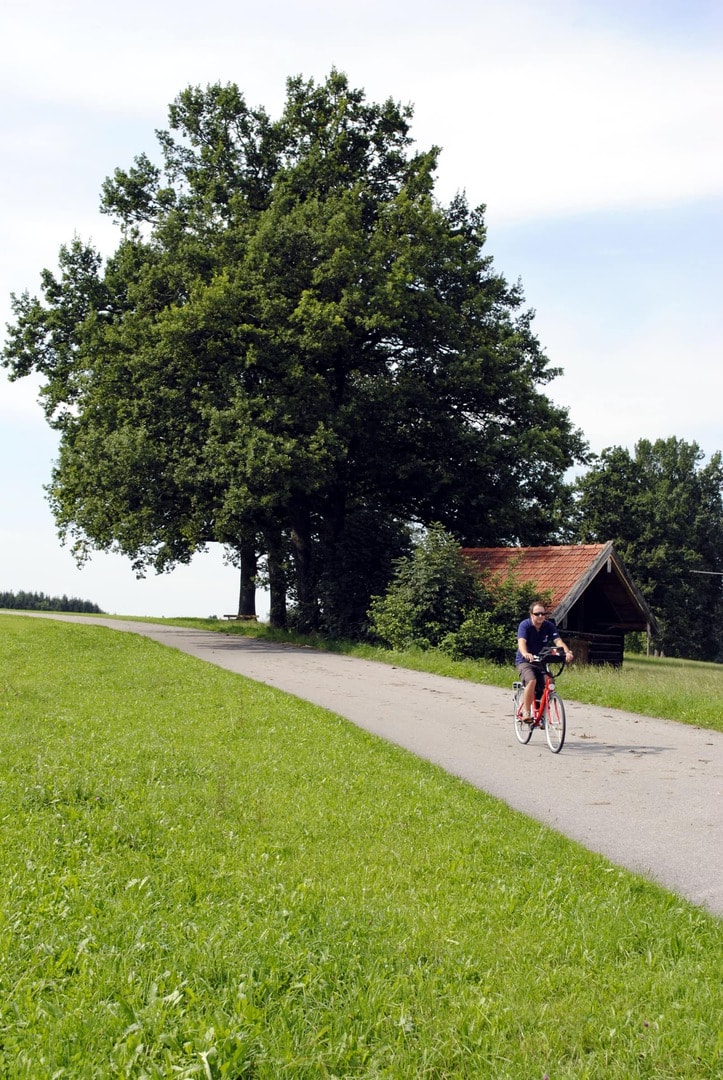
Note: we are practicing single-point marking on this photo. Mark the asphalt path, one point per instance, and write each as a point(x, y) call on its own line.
point(645, 793)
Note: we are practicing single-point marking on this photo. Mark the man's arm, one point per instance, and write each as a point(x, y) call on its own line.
point(568, 652)
point(522, 646)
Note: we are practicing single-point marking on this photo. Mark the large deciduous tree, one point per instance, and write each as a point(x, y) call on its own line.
point(295, 350)
point(664, 510)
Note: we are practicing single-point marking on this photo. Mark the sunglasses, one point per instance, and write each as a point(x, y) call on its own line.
point(536, 613)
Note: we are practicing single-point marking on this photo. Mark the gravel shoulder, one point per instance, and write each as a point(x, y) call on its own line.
point(645, 793)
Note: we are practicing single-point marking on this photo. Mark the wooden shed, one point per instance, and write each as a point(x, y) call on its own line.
point(594, 601)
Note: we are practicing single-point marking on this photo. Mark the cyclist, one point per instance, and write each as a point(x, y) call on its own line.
point(533, 635)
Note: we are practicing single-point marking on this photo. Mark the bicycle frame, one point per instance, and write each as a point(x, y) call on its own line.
point(539, 707)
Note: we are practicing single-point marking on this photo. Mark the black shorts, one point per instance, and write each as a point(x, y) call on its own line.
point(529, 673)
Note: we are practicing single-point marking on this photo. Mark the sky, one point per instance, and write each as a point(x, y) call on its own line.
point(590, 129)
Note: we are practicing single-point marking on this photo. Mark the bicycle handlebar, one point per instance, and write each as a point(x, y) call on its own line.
point(547, 654)
point(554, 656)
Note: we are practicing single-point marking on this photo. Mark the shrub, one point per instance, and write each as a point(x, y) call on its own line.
point(430, 595)
point(480, 636)
point(436, 600)
point(635, 642)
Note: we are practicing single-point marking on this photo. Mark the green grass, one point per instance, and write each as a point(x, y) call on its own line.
point(204, 877)
point(682, 690)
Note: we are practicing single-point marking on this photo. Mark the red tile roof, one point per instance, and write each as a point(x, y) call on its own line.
point(556, 570)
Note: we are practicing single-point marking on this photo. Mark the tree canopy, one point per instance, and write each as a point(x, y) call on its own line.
point(295, 351)
point(664, 511)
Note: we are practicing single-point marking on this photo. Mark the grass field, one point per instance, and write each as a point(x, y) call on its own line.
point(204, 877)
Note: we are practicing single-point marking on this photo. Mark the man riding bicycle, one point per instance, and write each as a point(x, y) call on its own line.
point(533, 635)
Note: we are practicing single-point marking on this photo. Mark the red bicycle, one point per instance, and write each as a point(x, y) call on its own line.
point(548, 712)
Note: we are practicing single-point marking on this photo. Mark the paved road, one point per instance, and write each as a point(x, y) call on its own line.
point(645, 793)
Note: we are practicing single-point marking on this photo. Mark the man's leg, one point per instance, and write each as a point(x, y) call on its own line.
point(528, 678)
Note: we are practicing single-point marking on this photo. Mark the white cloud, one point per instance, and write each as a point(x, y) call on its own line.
point(653, 383)
point(567, 132)
point(19, 399)
point(541, 110)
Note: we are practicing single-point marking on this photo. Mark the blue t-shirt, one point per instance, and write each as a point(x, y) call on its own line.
point(537, 638)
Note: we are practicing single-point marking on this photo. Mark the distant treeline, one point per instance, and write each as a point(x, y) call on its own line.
point(37, 601)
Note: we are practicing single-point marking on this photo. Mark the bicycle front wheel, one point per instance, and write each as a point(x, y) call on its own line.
point(523, 731)
point(555, 725)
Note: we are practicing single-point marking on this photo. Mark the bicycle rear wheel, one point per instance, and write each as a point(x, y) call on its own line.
point(555, 725)
point(523, 731)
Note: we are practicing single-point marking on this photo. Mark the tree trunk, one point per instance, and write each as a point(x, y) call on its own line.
point(308, 616)
point(277, 578)
point(247, 586)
